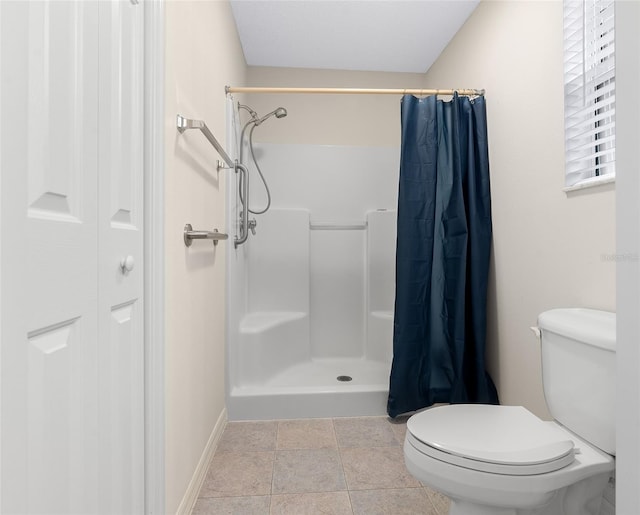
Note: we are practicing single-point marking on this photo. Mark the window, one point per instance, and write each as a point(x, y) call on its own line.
point(589, 91)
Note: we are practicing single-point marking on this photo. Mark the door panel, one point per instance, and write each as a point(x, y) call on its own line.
point(122, 413)
point(49, 258)
point(56, 114)
point(61, 428)
point(120, 187)
point(71, 362)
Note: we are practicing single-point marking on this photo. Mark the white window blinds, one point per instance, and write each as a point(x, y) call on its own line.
point(589, 89)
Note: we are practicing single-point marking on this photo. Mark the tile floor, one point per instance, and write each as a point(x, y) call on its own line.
point(315, 466)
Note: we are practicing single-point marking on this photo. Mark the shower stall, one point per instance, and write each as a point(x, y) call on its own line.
point(310, 295)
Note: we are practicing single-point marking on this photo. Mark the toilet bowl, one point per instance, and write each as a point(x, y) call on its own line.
point(503, 460)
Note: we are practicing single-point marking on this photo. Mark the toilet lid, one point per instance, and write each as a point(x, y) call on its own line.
point(500, 439)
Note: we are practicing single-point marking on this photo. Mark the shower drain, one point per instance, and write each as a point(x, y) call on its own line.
point(344, 379)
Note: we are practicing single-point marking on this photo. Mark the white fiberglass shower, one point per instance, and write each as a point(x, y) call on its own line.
point(310, 296)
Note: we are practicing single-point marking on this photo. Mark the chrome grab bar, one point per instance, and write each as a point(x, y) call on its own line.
point(184, 124)
point(244, 221)
point(190, 235)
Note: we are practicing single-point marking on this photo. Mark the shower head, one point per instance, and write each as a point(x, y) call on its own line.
point(280, 112)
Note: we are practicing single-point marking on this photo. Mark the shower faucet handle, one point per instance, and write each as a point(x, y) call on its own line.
point(252, 226)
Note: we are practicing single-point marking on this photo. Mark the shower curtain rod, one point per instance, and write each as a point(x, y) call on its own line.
point(356, 91)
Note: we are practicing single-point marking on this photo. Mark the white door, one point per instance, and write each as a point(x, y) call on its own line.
point(71, 355)
point(120, 209)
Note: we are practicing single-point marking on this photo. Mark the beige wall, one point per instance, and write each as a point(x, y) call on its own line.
point(330, 119)
point(548, 246)
point(202, 55)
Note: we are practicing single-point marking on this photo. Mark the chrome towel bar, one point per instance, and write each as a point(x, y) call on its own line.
point(190, 235)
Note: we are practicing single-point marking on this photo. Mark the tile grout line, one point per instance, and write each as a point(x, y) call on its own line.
point(273, 465)
point(344, 474)
point(435, 508)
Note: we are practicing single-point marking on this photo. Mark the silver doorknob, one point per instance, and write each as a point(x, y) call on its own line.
point(127, 264)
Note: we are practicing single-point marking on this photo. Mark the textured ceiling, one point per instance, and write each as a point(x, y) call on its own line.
point(370, 35)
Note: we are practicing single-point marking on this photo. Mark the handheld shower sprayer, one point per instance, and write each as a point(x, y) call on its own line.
point(280, 112)
point(255, 120)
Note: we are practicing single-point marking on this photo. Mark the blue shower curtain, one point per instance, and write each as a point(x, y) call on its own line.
point(442, 256)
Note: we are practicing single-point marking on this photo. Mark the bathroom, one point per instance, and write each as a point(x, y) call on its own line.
point(550, 248)
point(559, 267)
point(525, 107)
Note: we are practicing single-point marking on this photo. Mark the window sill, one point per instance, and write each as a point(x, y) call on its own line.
point(591, 183)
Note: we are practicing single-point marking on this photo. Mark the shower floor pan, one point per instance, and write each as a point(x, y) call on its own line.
point(315, 389)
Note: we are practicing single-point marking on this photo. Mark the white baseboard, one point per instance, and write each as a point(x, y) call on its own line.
point(193, 490)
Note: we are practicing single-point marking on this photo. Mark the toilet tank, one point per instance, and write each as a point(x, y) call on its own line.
point(578, 372)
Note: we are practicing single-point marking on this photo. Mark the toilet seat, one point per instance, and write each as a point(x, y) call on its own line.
point(507, 440)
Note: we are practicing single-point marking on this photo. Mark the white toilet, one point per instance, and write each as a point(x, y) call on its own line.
point(503, 460)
